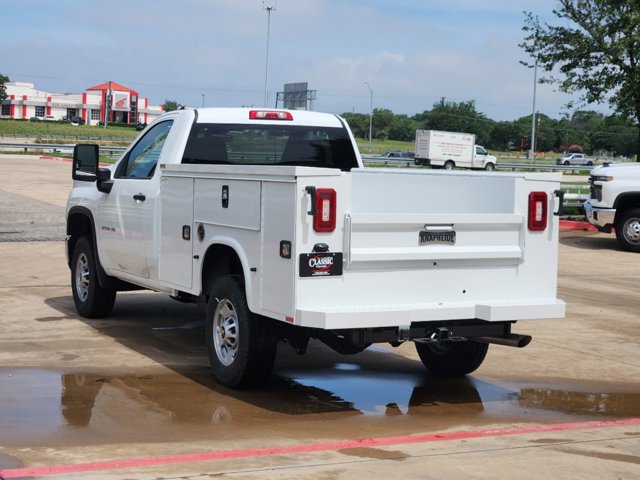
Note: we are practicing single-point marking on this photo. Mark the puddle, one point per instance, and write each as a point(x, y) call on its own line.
point(373, 393)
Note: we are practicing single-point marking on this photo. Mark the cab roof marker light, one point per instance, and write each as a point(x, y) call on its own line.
point(269, 115)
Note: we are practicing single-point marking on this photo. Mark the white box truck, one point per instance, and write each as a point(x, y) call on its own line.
point(451, 149)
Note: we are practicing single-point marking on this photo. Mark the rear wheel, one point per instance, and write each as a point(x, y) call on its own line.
point(448, 165)
point(452, 359)
point(628, 230)
point(241, 345)
point(90, 298)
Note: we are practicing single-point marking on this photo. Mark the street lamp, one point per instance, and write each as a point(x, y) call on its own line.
point(533, 114)
point(203, 100)
point(269, 9)
point(370, 113)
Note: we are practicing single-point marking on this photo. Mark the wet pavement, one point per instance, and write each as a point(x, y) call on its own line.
point(42, 407)
point(138, 384)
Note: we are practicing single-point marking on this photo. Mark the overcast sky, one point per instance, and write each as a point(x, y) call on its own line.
point(411, 53)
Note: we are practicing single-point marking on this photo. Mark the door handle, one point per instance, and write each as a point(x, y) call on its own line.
point(140, 197)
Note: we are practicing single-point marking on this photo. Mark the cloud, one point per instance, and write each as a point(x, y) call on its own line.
point(411, 53)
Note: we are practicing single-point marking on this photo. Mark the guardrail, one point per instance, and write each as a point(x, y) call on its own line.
point(78, 138)
point(408, 162)
point(60, 147)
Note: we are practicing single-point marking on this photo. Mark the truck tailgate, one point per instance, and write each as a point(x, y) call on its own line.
point(439, 246)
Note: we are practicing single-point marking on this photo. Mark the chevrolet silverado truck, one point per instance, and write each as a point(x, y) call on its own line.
point(614, 202)
point(270, 222)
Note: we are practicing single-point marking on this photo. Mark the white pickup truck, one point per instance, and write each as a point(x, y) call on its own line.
point(614, 202)
point(269, 220)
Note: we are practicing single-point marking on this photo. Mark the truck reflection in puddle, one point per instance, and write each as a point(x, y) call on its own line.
point(343, 400)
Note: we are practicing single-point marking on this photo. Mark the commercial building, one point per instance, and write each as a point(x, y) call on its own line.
point(110, 100)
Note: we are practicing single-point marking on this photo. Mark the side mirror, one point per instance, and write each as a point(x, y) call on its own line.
point(85, 162)
point(105, 184)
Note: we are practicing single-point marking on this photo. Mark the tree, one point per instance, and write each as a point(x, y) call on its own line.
point(402, 128)
point(170, 105)
point(358, 122)
point(596, 49)
point(3, 89)
point(382, 120)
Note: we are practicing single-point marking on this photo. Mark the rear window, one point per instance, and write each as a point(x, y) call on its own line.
point(270, 145)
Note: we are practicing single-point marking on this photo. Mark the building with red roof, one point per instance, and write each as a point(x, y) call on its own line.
point(108, 100)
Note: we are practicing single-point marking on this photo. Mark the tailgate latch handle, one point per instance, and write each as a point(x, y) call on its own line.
point(560, 195)
point(312, 193)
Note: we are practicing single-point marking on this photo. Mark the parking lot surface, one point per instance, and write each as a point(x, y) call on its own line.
point(131, 396)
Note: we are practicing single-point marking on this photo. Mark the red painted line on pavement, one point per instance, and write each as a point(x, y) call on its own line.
point(305, 448)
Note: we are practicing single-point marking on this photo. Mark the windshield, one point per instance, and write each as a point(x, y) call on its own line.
point(270, 145)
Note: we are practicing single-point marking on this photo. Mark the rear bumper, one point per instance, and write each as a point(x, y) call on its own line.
point(377, 316)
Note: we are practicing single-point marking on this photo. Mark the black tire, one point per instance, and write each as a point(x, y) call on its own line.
point(449, 165)
point(589, 163)
point(628, 230)
point(241, 345)
point(489, 167)
point(90, 298)
point(566, 162)
point(452, 359)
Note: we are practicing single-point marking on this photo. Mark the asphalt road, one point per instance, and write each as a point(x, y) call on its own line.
point(132, 397)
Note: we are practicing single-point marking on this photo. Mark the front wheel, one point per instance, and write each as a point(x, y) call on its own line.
point(452, 359)
point(628, 230)
point(90, 298)
point(241, 345)
point(489, 167)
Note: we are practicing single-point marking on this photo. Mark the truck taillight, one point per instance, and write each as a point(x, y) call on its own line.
point(537, 211)
point(325, 217)
point(269, 115)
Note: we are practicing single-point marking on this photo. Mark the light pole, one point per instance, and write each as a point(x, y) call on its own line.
point(269, 9)
point(533, 114)
point(370, 113)
point(203, 100)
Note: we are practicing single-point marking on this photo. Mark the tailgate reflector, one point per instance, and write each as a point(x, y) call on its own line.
point(537, 211)
point(325, 218)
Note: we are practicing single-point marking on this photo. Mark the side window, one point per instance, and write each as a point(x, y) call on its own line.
point(143, 158)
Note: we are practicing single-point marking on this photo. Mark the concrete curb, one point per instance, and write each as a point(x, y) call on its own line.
point(574, 225)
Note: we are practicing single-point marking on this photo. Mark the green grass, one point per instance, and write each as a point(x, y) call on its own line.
point(59, 132)
point(381, 146)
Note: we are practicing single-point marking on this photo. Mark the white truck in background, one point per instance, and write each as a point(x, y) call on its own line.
point(450, 150)
point(268, 220)
point(614, 202)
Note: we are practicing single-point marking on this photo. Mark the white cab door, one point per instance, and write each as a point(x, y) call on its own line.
point(125, 226)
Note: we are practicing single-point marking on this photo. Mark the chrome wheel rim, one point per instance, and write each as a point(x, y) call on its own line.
point(225, 332)
point(82, 277)
point(631, 231)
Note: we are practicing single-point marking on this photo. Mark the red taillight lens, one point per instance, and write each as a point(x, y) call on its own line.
point(325, 218)
point(537, 211)
point(269, 115)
